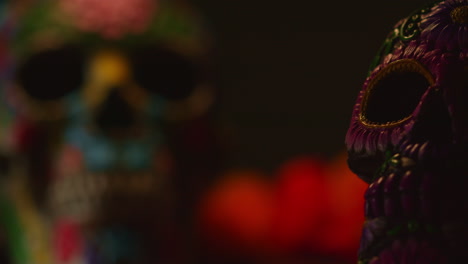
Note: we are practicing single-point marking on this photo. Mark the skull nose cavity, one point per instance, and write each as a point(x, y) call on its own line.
point(394, 93)
point(365, 166)
point(115, 112)
point(459, 15)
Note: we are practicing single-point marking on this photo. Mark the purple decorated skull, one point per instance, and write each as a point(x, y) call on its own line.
point(408, 139)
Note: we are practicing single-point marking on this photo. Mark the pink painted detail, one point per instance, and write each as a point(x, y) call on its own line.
point(70, 161)
point(67, 241)
point(24, 135)
point(3, 53)
point(110, 18)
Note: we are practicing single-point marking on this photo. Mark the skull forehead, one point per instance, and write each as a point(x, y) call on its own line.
point(440, 26)
point(126, 24)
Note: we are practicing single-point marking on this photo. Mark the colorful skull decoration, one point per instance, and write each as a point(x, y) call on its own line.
point(86, 87)
point(408, 139)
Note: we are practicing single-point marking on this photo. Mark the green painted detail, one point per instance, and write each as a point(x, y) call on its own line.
point(395, 231)
point(410, 29)
point(385, 49)
point(395, 161)
point(407, 31)
point(413, 226)
point(431, 228)
point(14, 232)
point(385, 165)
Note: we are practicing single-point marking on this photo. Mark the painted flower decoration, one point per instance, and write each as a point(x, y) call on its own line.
point(443, 28)
point(372, 137)
point(447, 25)
point(110, 18)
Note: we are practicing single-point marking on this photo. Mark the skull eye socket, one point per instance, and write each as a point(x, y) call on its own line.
point(51, 74)
point(394, 93)
point(164, 72)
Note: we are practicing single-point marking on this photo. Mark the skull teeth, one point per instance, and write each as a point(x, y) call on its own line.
point(81, 196)
point(423, 150)
point(427, 151)
point(401, 194)
point(412, 203)
point(417, 151)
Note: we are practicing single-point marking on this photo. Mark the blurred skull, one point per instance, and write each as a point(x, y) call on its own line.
point(408, 139)
point(87, 86)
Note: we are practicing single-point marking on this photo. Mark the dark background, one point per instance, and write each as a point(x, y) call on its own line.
point(288, 72)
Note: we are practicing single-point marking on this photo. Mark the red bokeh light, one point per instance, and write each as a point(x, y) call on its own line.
point(311, 208)
point(301, 200)
point(235, 214)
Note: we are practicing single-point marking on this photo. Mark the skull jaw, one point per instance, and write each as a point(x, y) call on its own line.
point(419, 205)
point(128, 208)
point(90, 198)
point(365, 166)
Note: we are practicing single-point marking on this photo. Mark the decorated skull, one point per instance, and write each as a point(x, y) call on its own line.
point(408, 139)
point(87, 86)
